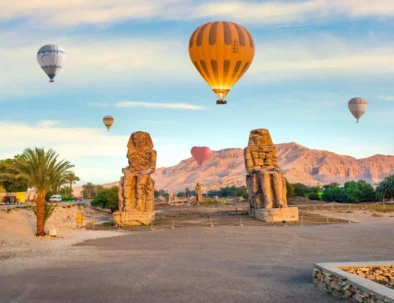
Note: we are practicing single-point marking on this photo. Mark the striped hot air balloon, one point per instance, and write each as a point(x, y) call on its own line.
point(358, 106)
point(221, 52)
point(200, 153)
point(108, 121)
point(51, 58)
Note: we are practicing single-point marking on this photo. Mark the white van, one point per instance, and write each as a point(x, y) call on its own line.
point(56, 198)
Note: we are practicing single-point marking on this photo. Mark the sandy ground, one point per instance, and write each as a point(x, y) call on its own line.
point(18, 227)
point(361, 216)
point(201, 264)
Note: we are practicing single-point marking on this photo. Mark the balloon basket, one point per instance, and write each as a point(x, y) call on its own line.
point(221, 102)
point(51, 81)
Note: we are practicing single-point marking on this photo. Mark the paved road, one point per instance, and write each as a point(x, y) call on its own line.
point(220, 264)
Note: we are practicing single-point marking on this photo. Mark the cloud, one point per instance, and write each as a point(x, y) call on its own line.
point(47, 123)
point(386, 98)
point(70, 13)
point(183, 106)
point(97, 154)
point(97, 104)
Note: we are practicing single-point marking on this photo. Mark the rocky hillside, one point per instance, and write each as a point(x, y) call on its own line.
point(300, 164)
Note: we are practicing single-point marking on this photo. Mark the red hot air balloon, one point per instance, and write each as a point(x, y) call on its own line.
point(200, 153)
point(357, 106)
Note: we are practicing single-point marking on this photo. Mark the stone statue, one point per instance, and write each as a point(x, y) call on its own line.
point(136, 187)
point(168, 198)
point(264, 180)
point(199, 192)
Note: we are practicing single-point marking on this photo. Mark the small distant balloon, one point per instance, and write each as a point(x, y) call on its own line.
point(200, 153)
point(358, 106)
point(221, 52)
point(51, 58)
point(108, 121)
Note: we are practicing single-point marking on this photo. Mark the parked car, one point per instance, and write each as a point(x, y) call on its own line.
point(55, 198)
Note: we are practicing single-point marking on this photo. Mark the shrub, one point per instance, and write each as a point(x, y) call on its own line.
point(107, 198)
point(68, 198)
point(314, 196)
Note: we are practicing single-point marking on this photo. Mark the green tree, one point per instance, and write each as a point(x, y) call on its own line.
point(12, 184)
point(71, 178)
point(40, 169)
point(88, 190)
point(313, 196)
point(301, 190)
point(385, 189)
point(289, 189)
point(107, 198)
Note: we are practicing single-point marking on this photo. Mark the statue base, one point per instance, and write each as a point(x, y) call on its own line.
point(133, 218)
point(288, 214)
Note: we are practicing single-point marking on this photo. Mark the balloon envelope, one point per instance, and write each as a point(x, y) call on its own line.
point(200, 153)
point(108, 121)
point(358, 106)
point(221, 52)
point(51, 58)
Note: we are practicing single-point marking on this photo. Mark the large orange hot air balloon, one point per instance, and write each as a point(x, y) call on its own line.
point(221, 52)
point(108, 121)
point(357, 106)
point(200, 153)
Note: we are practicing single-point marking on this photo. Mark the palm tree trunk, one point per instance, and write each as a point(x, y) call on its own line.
point(71, 189)
point(40, 204)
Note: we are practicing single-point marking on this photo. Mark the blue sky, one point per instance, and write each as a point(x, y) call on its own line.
point(130, 59)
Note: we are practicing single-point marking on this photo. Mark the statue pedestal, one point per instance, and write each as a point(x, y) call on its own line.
point(133, 218)
point(289, 214)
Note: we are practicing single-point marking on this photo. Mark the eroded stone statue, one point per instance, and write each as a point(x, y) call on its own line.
point(265, 181)
point(136, 187)
point(199, 192)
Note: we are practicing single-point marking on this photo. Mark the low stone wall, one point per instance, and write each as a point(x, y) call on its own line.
point(381, 274)
point(350, 281)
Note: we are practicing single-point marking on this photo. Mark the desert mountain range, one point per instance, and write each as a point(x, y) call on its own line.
point(226, 167)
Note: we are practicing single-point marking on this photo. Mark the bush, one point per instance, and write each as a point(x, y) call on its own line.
point(107, 198)
point(314, 196)
point(68, 198)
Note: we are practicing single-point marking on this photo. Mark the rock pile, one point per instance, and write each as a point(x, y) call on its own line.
point(381, 274)
point(342, 288)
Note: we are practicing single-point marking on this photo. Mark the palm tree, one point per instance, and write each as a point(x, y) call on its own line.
point(88, 188)
point(71, 178)
point(386, 188)
point(41, 169)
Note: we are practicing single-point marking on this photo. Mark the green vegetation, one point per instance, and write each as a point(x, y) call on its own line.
point(107, 198)
point(290, 189)
point(41, 170)
point(91, 191)
point(385, 190)
point(351, 192)
point(12, 184)
point(227, 192)
point(49, 209)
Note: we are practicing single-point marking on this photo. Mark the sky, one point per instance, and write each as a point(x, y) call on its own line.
point(129, 59)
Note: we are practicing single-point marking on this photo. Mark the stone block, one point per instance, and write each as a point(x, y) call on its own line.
point(289, 214)
point(133, 218)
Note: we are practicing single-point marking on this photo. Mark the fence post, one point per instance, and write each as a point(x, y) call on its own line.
point(366, 206)
point(315, 207)
point(327, 220)
point(332, 207)
point(302, 220)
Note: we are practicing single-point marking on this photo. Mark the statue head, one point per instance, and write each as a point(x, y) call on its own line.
point(140, 140)
point(260, 137)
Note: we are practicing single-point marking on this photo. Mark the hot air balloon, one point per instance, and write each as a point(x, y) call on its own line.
point(357, 106)
point(108, 121)
point(200, 153)
point(221, 52)
point(51, 58)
